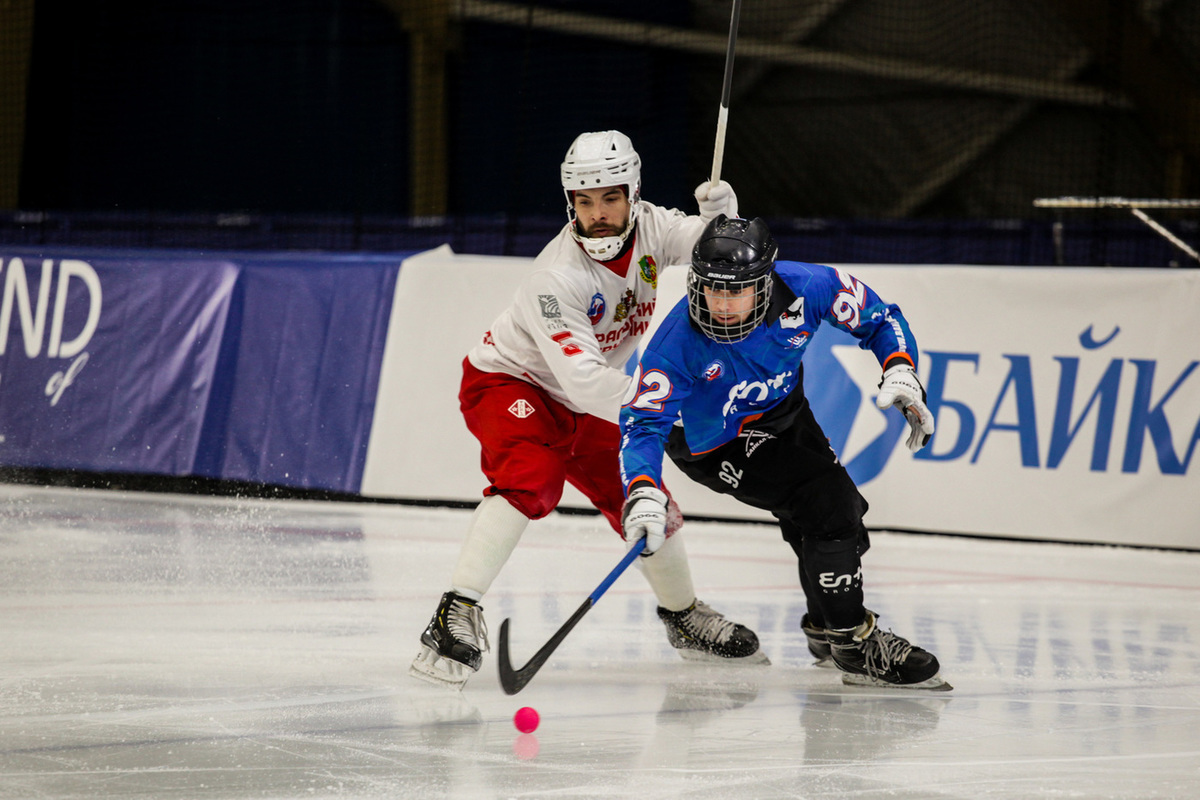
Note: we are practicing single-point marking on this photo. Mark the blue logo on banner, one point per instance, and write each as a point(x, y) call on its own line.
point(839, 404)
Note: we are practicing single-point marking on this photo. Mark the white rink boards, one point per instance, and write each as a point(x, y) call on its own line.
point(1067, 399)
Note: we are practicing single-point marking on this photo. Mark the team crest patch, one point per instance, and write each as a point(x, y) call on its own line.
point(549, 303)
point(713, 371)
point(649, 270)
point(596, 309)
point(794, 316)
point(755, 440)
point(521, 409)
point(627, 302)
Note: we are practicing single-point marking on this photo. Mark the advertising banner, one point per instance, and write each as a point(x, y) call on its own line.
point(107, 363)
point(249, 367)
point(1067, 400)
point(304, 355)
point(1067, 404)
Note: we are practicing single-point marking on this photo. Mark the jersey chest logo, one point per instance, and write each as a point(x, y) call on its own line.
point(596, 309)
point(649, 270)
point(755, 392)
point(628, 301)
point(713, 371)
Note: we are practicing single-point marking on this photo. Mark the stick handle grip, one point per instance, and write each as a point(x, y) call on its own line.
point(719, 149)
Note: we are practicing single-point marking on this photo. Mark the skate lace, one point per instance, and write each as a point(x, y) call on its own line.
point(708, 624)
point(466, 624)
point(881, 650)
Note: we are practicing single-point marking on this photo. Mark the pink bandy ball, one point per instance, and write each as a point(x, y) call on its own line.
point(526, 720)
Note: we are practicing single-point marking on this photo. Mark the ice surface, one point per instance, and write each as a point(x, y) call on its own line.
point(165, 646)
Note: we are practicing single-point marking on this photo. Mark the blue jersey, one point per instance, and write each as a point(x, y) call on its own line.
point(715, 388)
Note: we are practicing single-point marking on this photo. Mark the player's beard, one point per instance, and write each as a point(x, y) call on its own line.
point(590, 233)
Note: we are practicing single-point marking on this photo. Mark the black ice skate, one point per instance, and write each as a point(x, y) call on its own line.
point(818, 645)
point(868, 656)
point(701, 634)
point(453, 644)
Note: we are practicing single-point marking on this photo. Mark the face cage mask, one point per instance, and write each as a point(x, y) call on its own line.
point(727, 334)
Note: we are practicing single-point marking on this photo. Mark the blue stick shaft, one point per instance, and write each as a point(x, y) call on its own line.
point(514, 680)
point(633, 553)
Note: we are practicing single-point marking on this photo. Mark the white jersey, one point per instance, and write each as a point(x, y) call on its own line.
point(574, 322)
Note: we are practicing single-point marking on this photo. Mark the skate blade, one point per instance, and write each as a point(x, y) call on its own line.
point(825, 662)
point(432, 668)
point(757, 658)
point(934, 684)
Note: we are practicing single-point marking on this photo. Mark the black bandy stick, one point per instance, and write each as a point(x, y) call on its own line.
point(514, 680)
point(723, 113)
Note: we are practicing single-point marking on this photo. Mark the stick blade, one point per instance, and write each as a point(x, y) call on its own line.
point(514, 680)
point(511, 681)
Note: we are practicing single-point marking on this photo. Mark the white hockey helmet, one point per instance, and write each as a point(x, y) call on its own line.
point(597, 160)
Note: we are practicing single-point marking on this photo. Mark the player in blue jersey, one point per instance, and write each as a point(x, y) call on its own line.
point(720, 389)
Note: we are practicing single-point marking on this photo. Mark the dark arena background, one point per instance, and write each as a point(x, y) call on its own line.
point(882, 131)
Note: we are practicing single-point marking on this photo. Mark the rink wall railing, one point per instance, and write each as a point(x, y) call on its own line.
point(1067, 399)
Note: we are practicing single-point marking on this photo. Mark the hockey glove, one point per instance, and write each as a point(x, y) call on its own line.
point(716, 200)
point(645, 514)
point(901, 388)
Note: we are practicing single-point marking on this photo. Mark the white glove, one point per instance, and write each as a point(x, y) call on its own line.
point(645, 515)
point(716, 200)
point(901, 388)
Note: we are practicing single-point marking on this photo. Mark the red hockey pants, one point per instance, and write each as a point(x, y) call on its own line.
point(532, 444)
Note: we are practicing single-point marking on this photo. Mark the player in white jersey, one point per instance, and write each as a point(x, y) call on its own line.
point(542, 393)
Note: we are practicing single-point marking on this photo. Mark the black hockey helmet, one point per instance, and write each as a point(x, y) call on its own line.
point(731, 255)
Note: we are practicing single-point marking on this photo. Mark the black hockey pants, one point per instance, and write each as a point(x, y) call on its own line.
point(783, 463)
